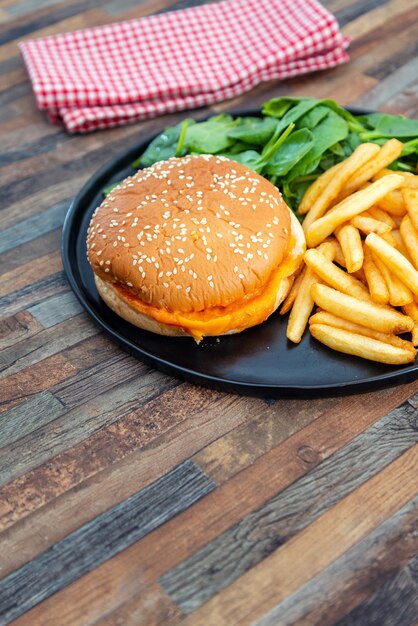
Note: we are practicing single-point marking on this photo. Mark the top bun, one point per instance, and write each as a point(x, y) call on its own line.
point(190, 233)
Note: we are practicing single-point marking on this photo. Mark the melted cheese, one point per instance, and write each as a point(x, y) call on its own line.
point(235, 317)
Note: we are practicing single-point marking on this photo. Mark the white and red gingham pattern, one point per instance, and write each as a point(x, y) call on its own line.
point(128, 71)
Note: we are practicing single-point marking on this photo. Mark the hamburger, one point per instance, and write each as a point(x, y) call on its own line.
point(194, 246)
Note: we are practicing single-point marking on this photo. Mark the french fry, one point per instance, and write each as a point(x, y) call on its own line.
point(303, 303)
point(361, 345)
point(382, 216)
point(395, 261)
point(370, 225)
point(378, 317)
point(323, 317)
point(302, 308)
point(412, 310)
point(290, 298)
point(390, 239)
point(361, 276)
point(314, 190)
point(375, 280)
point(351, 206)
point(393, 202)
point(360, 156)
point(411, 180)
point(385, 156)
point(399, 294)
point(397, 239)
point(338, 253)
point(410, 239)
point(410, 198)
point(334, 276)
point(350, 241)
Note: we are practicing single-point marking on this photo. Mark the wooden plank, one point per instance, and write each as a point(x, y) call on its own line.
point(123, 478)
point(14, 92)
point(29, 145)
point(91, 351)
point(314, 548)
point(56, 309)
point(154, 555)
point(379, 17)
point(23, 419)
point(135, 430)
point(351, 11)
point(311, 445)
point(47, 244)
point(45, 23)
point(46, 343)
point(99, 540)
point(353, 577)
point(229, 556)
point(17, 327)
point(405, 102)
point(394, 604)
point(36, 378)
point(19, 75)
point(24, 138)
point(33, 227)
point(35, 294)
point(103, 377)
point(333, 84)
point(29, 6)
point(150, 607)
point(28, 273)
point(238, 449)
point(77, 424)
point(382, 92)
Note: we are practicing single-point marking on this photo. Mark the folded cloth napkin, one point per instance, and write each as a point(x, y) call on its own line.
point(133, 70)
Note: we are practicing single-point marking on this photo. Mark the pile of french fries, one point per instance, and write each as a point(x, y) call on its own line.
point(360, 270)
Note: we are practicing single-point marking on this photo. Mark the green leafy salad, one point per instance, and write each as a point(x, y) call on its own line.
point(291, 143)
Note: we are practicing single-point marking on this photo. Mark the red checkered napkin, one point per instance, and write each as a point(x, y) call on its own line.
point(133, 70)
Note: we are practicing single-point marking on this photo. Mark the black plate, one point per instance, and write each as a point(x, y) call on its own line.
point(259, 361)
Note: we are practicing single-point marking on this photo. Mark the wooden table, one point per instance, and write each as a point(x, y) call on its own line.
point(129, 497)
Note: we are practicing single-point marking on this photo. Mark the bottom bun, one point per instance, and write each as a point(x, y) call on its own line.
point(121, 308)
point(115, 302)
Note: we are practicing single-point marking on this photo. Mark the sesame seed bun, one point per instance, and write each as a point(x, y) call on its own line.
point(190, 236)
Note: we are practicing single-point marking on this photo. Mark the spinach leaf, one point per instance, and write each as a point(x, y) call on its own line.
point(254, 130)
point(211, 136)
point(313, 117)
point(162, 147)
point(250, 158)
point(277, 107)
point(294, 147)
point(332, 129)
point(240, 146)
point(390, 126)
point(182, 137)
point(410, 147)
point(353, 122)
point(337, 149)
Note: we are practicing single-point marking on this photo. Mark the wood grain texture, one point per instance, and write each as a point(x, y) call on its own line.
point(329, 595)
point(147, 560)
point(313, 518)
point(250, 541)
point(98, 541)
point(320, 543)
